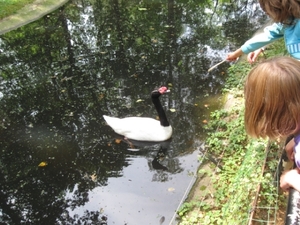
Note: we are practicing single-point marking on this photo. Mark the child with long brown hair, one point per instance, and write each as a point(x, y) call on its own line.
point(286, 17)
point(272, 108)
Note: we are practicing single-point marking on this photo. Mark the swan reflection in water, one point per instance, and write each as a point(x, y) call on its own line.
point(160, 156)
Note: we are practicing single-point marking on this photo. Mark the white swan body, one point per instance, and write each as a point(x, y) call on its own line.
point(139, 128)
point(143, 128)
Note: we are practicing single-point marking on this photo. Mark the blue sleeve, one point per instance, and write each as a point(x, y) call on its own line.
point(270, 34)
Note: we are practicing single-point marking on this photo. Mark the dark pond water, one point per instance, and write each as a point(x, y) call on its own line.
point(60, 74)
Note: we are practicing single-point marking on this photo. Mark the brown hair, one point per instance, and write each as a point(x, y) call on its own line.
point(272, 98)
point(283, 11)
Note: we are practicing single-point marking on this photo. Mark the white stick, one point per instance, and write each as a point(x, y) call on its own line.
point(211, 68)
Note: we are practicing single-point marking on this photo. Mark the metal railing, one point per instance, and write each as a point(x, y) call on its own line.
point(293, 208)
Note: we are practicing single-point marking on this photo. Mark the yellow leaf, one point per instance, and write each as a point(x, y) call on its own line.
point(139, 100)
point(173, 110)
point(42, 164)
point(94, 177)
point(118, 141)
point(101, 96)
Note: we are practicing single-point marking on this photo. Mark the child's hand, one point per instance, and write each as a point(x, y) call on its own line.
point(252, 56)
point(231, 57)
point(234, 55)
point(290, 179)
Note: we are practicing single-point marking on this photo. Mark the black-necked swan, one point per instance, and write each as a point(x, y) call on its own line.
point(144, 128)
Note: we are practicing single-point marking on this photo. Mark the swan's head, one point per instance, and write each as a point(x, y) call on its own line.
point(160, 91)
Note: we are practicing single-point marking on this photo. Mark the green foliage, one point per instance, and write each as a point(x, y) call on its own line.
point(236, 184)
point(236, 75)
point(9, 7)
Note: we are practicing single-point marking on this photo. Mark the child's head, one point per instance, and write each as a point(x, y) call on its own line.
point(272, 98)
point(282, 11)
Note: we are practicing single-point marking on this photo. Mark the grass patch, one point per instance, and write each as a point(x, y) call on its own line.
point(10, 7)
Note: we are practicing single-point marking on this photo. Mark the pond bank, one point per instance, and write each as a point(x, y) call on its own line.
point(29, 13)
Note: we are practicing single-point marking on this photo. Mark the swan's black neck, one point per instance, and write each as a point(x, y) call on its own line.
point(160, 111)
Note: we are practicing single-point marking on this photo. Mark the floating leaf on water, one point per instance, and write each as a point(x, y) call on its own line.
point(134, 75)
point(42, 164)
point(101, 96)
point(173, 110)
point(118, 141)
point(139, 100)
point(162, 219)
point(171, 189)
point(94, 177)
point(190, 173)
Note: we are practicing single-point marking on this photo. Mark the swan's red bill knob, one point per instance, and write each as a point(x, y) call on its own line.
point(163, 90)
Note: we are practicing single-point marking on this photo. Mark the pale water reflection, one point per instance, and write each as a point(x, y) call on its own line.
point(142, 194)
